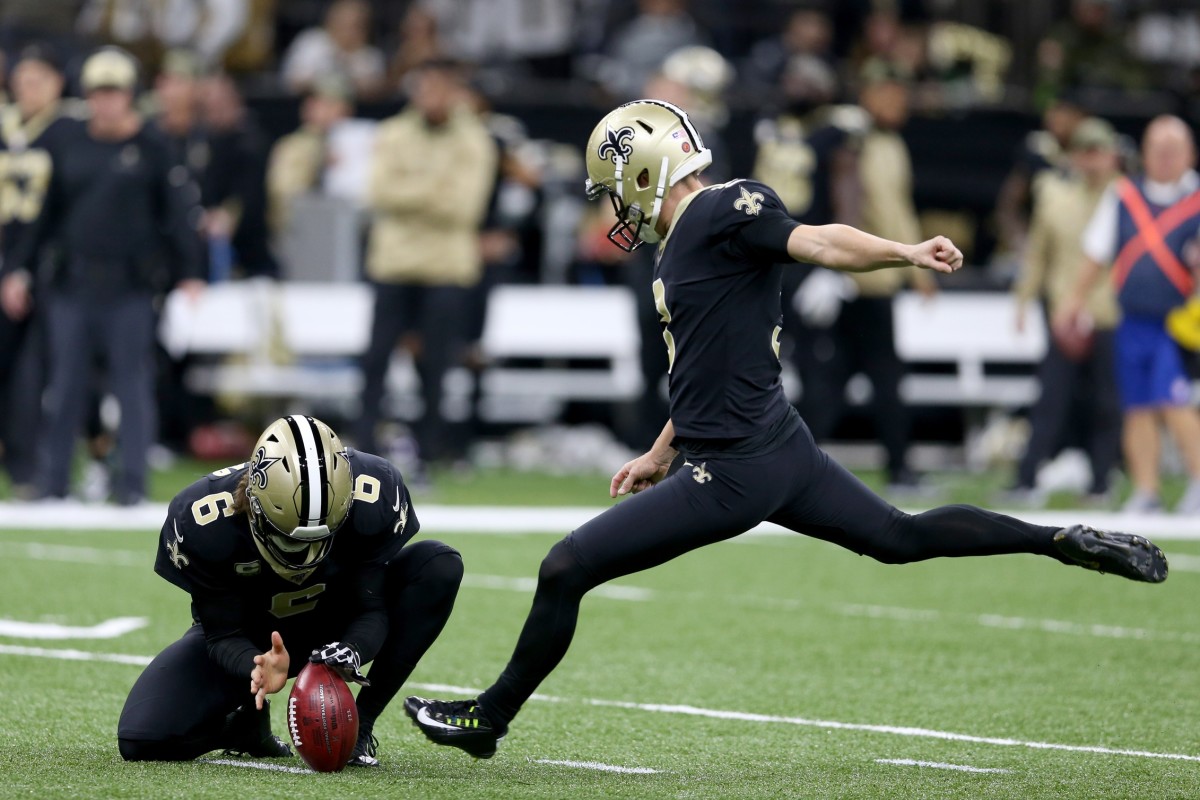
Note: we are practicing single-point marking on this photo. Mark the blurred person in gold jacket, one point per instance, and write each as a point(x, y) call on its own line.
point(432, 174)
point(1077, 374)
point(298, 160)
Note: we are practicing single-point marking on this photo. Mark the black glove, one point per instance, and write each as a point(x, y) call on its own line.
point(343, 658)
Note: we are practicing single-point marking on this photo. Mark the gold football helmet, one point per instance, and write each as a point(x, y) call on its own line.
point(300, 489)
point(635, 155)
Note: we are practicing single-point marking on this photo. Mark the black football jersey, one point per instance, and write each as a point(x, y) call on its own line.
point(209, 552)
point(718, 303)
point(25, 168)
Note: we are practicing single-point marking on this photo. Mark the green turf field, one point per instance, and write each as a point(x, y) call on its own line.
point(802, 668)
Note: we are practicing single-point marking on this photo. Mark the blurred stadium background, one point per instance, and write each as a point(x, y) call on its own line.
point(804, 671)
point(277, 107)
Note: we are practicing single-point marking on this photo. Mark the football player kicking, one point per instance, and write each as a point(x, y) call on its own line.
point(748, 455)
point(305, 544)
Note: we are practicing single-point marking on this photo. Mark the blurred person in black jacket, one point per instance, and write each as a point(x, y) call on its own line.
point(234, 186)
point(116, 227)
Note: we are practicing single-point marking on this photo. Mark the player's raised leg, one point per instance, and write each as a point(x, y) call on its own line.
point(834, 505)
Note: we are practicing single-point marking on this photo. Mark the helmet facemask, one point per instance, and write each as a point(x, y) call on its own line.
point(302, 548)
point(632, 228)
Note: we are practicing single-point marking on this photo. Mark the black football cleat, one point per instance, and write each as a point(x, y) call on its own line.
point(248, 733)
point(456, 723)
point(1124, 554)
point(364, 750)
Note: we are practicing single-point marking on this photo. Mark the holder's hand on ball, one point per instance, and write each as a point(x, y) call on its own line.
point(270, 671)
point(343, 658)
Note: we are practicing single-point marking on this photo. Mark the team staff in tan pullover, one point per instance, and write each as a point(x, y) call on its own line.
point(1077, 374)
point(433, 172)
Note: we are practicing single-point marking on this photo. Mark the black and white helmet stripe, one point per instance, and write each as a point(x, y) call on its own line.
point(314, 483)
point(693, 134)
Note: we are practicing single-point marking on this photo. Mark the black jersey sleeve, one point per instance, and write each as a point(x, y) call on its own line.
point(191, 556)
point(754, 221)
point(383, 522)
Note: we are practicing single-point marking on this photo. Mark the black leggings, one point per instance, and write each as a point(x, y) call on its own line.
point(176, 710)
point(797, 486)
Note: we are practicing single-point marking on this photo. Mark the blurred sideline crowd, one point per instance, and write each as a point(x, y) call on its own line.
point(143, 149)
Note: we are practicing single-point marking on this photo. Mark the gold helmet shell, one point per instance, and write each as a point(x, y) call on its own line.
point(299, 488)
point(636, 153)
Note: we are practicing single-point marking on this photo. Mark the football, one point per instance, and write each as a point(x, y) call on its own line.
point(322, 718)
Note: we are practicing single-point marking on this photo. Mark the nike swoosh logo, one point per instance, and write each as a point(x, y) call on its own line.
point(396, 505)
point(178, 538)
point(423, 718)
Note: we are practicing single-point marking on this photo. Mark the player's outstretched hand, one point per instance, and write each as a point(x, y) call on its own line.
point(640, 474)
point(270, 671)
point(938, 254)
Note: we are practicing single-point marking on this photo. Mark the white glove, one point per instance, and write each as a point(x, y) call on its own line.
point(819, 299)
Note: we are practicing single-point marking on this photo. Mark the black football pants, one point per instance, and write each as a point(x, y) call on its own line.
point(1083, 392)
point(797, 486)
point(176, 710)
point(437, 314)
point(861, 339)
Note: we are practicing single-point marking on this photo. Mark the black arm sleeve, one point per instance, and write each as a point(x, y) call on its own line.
point(228, 645)
point(765, 237)
point(369, 627)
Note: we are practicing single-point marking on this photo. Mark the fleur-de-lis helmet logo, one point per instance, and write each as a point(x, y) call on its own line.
point(259, 467)
point(616, 147)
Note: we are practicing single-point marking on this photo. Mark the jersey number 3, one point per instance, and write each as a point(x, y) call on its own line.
point(660, 303)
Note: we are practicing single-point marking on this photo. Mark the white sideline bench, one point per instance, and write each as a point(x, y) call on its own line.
point(298, 340)
point(969, 330)
point(556, 324)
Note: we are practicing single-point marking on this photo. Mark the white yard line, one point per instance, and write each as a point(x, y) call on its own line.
point(908, 762)
point(73, 554)
point(73, 655)
point(229, 762)
point(92, 555)
point(596, 765)
point(108, 629)
point(924, 733)
point(73, 515)
point(693, 711)
point(1015, 623)
point(610, 591)
point(1181, 562)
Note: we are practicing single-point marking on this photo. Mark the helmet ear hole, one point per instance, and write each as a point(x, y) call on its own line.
point(643, 179)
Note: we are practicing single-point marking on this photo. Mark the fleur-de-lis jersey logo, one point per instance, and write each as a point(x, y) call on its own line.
point(750, 202)
point(401, 519)
point(616, 147)
point(700, 473)
point(178, 559)
point(259, 466)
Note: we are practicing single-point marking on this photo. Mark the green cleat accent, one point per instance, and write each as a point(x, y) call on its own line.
point(455, 723)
